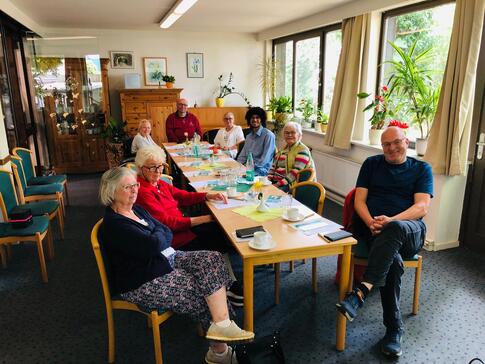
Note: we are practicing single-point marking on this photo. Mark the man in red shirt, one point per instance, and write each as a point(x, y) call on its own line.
point(181, 124)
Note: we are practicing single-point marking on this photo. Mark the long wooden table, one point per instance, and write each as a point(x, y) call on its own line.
point(291, 244)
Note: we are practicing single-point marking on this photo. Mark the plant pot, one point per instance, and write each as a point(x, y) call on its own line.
point(281, 117)
point(324, 127)
point(318, 127)
point(421, 145)
point(375, 136)
point(269, 115)
point(114, 154)
point(169, 84)
point(220, 102)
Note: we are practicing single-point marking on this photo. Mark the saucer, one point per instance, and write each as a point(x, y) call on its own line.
point(269, 247)
point(287, 218)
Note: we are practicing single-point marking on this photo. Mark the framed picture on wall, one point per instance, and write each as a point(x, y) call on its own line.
point(121, 59)
point(155, 68)
point(195, 65)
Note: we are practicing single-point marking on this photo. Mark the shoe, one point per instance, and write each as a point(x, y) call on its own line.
point(235, 295)
point(231, 334)
point(352, 302)
point(391, 342)
point(228, 358)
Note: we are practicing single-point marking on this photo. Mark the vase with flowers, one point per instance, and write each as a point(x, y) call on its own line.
point(380, 111)
point(226, 89)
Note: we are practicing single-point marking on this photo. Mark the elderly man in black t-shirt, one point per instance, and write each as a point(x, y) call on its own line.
point(393, 193)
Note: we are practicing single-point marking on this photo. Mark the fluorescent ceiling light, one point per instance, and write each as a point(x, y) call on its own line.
point(180, 7)
point(63, 38)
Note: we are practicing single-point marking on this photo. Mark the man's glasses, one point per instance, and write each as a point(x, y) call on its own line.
point(131, 186)
point(396, 143)
point(155, 168)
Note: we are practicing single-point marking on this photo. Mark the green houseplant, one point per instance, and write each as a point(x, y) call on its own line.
point(380, 111)
point(169, 80)
point(115, 135)
point(270, 73)
point(307, 110)
point(281, 107)
point(322, 120)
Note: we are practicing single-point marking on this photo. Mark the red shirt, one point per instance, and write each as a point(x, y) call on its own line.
point(163, 201)
point(176, 126)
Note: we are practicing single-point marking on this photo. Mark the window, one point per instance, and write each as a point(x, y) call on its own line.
point(307, 71)
point(427, 28)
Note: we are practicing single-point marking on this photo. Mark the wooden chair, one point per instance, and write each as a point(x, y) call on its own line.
point(29, 171)
point(36, 232)
point(307, 174)
point(312, 195)
point(49, 208)
point(51, 191)
point(116, 303)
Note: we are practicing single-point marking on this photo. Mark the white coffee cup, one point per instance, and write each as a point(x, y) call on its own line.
point(293, 213)
point(261, 239)
point(231, 191)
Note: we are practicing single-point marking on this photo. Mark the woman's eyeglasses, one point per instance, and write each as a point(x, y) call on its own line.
point(155, 168)
point(131, 186)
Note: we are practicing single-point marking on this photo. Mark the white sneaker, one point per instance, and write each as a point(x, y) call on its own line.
point(228, 358)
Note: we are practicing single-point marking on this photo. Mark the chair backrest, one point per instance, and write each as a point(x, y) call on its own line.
point(18, 171)
point(240, 147)
point(307, 174)
point(210, 135)
point(7, 189)
point(27, 161)
point(127, 147)
point(348, 210)
point(98, 251)
point(246, 131)
point(311, 194)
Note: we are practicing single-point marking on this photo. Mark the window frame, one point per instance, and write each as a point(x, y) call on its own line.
point(320, 32)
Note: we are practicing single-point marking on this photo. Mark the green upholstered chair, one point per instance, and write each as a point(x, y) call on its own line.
point(29, 171)
point(27, 193)
point(155, 318)
point(48, 208)
point(307, 174)
point(36, 232)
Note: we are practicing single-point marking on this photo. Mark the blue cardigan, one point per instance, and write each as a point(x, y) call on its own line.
point(132, 250)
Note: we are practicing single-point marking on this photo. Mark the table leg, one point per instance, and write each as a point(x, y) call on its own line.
point(248, 274)
point(344, 281)
point(277, 271)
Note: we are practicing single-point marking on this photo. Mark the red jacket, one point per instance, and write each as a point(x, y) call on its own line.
point(163, 201)
point(176, 126)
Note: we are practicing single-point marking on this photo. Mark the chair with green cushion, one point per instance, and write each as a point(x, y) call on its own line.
point(29, 171)
point(35, 232)
point(40, 208)
point(307, 174)
point(36, 193)
point(155, 318)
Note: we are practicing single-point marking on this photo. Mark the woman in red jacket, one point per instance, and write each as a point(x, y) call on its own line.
point(163, 202)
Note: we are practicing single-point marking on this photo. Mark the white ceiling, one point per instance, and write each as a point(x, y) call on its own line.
point(248, 16)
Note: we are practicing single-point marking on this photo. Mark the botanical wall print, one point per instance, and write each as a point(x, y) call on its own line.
point(121, 59)
point(155, 68)
point(195, 65)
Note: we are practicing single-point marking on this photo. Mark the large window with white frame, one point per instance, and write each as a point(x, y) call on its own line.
point(307, 66)
point(413, 52)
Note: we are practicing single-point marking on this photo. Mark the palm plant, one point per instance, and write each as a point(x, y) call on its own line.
point(411, 81)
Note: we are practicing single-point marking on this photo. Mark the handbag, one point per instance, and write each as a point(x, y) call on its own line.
point(21, 217)
point(264, 350)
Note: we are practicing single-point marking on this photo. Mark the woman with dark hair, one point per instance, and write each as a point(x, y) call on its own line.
point(260, 142)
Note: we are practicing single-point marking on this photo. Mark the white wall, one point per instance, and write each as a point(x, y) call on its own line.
point(223, 53)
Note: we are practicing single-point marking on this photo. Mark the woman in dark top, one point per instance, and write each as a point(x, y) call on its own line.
point(147, 271)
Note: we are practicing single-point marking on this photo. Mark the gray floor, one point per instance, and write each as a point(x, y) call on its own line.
point(64, 321)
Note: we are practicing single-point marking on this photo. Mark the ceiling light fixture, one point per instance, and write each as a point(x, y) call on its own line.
point(180, 7)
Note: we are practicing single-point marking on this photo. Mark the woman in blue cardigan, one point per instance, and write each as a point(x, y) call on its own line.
point(147, 271)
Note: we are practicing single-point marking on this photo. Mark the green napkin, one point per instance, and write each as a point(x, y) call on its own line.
point(251, 212)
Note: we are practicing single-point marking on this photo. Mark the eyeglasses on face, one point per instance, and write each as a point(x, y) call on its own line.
point(154, 169)
point(396, 142)
point(289, 133)
point(131, 186)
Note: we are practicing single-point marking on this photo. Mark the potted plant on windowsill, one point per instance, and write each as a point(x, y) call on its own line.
point(115, 135)
point(226, 89)
point(270, 75)
point(282, 107)
point(307, 111)
point(380, 111)
point(322, 121)
point(169, 81)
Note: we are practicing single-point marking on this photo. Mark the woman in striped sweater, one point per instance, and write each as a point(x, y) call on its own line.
point(294, 157)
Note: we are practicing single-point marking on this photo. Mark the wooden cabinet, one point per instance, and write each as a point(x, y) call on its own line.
point(153, 104)
point(75, 117)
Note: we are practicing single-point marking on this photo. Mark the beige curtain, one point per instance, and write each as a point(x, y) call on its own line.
point(450, 132)
point(347, 82)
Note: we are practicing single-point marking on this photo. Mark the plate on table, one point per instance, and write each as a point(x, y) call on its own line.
point(298, 218)
point(269, 247)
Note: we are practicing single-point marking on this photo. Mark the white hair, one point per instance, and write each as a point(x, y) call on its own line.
point(297, 127)
point(143, 122)
point(150, 152)
point(110, 181)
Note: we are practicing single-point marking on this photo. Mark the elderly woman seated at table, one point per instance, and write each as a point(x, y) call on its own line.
point(229, 137)
point(143, 138)
point(294, 157)
point(147, 271)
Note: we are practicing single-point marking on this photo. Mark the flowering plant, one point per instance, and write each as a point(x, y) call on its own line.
point(227, 89)
point(399, 124)
point(379, 106)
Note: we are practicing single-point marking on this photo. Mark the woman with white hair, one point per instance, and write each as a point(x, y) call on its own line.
point(294, 157)
point(143, 138)
point(147, 271)
point(229, 137)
